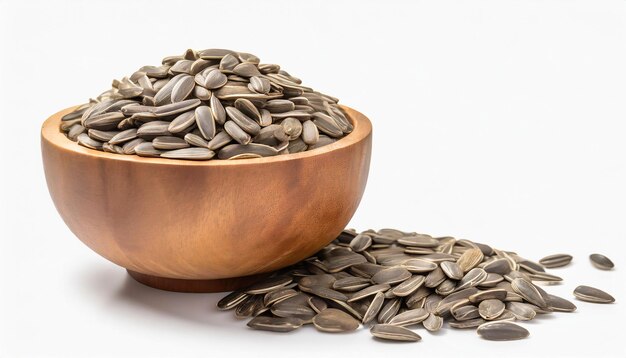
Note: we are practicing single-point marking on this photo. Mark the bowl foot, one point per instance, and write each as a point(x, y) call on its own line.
point(197, 286)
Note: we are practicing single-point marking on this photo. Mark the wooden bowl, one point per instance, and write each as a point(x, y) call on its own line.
point(206, 226)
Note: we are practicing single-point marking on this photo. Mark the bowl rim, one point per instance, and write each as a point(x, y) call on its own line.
point(51, 133)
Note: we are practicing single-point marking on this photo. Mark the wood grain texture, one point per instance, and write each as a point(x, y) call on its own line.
point(206, 220)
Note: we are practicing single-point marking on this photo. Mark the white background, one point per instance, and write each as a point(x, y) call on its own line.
point(497, 121)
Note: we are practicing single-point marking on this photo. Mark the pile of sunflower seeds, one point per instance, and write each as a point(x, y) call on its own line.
point(390, 280)
point(206, 103)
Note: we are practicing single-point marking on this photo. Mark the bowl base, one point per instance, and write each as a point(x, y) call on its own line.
point(196, 286)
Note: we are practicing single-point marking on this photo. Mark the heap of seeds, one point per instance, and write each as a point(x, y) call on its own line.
point(391, 280)
point(204, 103)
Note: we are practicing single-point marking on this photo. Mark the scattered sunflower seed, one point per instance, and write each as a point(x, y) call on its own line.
point(594, 295)
point(334, 321)
point(275, 324)
point(394, 333)
point(556, 260)
point(386, 280)
point(602, 262)
point(502, 331)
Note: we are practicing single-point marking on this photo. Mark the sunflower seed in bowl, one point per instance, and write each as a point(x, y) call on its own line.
point(197, 105)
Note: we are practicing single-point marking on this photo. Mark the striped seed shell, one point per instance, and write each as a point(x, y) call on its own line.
point(182, 89)
point(394, 333)
point(591, 294)
point(601, 262)
point(556, 260)
point(334, 321)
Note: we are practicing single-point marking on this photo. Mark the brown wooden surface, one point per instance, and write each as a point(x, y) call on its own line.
point(206, 220)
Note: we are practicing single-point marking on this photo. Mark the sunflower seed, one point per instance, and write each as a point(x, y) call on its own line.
point(471, 279)
point(433, 323)
point(205, 122)
point(394, 333)
point(557, 260)
point(289, 308)
point(275, 324)
point(124, 136)
point(558, 304)
point(490, 309)
point(340, 263)
point(328, 293)
point(256, 150)
point(389, 310)
point(334, 321)
point(310, 134)
point(228, 62)
point(351, 284)
point(268, 285)
point(308, 282)
point(497, 293)
point(169, 143)
point(545, 277)
point(369, 291)
point(360, 243)
point(259, 84)
point(470, 259)
point(528, 291)
point(248, 108)
point(86, 141)
point(146, 149)
point(129, 147)
point(220, 140)
point(374, 308)
point(154, 129)
point(531, 266)
point(189, 153)
point(410, 317)
point(102, 136)
point(280, 106)
point(502, 331)
point(231, 300)
point(236, 133)
point(521, 311)
point(243, 121)
point(452, 270)
point(278, 295)
point(464, 313)
point(182, 89)
point(593, 295)
point(435, 278)
point(112, 148)
point(292, 127)
point(201, 93)
point(104, 121)
point(408, 286)
point(418, 240)
point(470, 323)
point(164, 95)
point(391, 275)
point(419, 265)
point(324, 123)
point(246, 70)
point(182, 122)
point(602, 262)
point(214, 80)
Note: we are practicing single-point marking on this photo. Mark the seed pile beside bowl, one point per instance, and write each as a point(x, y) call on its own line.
point(393, 281)
point(204, 104)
